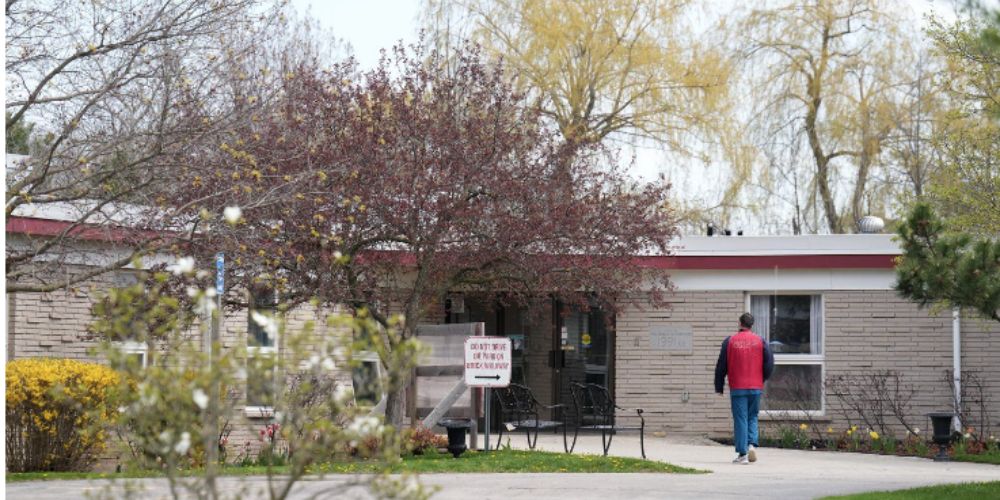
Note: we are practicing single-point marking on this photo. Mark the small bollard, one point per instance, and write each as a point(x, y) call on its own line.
point(457, 428)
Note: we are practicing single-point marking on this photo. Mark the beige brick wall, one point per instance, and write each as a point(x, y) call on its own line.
point(878, 330)
point(864, 330)
point(55, 325)
point(245, 437)
point(656, 380)
point(49, 325)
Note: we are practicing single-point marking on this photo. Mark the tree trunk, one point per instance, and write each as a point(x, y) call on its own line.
point(869, 148)
point(861, 182)
point(822, 174)
point(815, 91)
point(395, 404)
point(395, 409)
point(564, 166)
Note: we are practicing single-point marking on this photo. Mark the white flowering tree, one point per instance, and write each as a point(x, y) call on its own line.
point(181, 404)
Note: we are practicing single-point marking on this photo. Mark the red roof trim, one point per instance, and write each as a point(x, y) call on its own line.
point(877, 261)
point(91, 232)
point(46, 227)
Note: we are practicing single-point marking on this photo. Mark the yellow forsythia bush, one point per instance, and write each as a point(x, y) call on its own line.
point(57, 410)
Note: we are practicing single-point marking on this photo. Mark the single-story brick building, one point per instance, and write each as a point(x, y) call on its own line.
point(825, 304)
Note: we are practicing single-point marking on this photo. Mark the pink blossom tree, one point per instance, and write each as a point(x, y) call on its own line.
point(387, 191)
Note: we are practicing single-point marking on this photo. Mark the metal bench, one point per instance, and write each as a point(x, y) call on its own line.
point(519, 410)
point(594, 410)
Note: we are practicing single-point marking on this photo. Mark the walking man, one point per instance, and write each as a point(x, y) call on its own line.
point(748, 362)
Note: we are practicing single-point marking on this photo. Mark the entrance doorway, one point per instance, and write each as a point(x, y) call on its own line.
point(582, 350)
point(553, 344)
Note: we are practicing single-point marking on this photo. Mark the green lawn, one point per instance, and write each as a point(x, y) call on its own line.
point(963, 491)
point(516, 461)
point(993, 457)
point(229, 470)
point(499, 461)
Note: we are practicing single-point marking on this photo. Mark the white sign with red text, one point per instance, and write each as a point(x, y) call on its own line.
point(487, 361)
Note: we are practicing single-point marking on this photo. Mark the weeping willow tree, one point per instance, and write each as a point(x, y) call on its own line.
point(828, 80)
point(619, 72)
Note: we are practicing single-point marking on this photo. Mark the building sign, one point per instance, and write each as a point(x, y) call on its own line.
point(220, 273)
point(672, 338)
point(487, 361)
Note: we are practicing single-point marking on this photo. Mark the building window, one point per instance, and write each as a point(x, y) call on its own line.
point(262, 350)
point(135, 354)
point(130, 338)
point(366, 378)
point(792, 325)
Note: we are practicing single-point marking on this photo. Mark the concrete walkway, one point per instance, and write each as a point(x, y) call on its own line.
point(777, 474)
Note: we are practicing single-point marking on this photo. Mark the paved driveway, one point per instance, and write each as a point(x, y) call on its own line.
point(777, 474)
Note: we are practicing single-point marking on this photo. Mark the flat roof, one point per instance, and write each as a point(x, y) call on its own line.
point(811, 244)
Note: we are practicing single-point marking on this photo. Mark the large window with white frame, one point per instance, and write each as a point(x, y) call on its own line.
point(132, 337)
point(135, 354)
point(792, 325)
point(366, 379)
point(262, 349)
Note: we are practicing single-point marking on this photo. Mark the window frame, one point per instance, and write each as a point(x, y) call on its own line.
point(370, 357)
point(795, 359)
point(253, 351)
point(128, 347)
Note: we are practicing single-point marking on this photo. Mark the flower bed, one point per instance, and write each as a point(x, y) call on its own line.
point(968, 447)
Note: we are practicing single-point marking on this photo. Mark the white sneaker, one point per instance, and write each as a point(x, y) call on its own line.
point(752, 453)
point(742, 460)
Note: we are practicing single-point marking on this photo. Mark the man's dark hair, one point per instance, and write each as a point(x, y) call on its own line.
point(746, 319)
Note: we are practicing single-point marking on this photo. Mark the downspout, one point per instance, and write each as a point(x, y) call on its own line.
point(956, 355)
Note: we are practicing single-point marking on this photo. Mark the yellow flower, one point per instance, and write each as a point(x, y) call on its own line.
point(873, 434)
point(803, 426)
point(829, 430)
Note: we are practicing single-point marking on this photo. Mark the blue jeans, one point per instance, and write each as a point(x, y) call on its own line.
point(745, 403)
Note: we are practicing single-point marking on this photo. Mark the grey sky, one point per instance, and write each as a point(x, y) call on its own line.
point(368, 25)
point(372, 25)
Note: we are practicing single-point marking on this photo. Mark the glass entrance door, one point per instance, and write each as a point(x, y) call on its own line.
point(553, 344)
point(582, 351)
point(529, 328)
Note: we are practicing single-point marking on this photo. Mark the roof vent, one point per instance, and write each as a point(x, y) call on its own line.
point(870, 224)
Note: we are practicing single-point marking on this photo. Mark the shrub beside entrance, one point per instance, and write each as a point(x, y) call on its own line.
point(55, 412)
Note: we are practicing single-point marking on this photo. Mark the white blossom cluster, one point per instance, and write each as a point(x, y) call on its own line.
point(180, 447)
point(363, 426)
point(266, 323)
